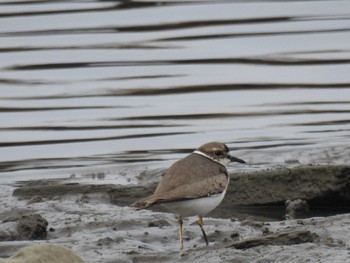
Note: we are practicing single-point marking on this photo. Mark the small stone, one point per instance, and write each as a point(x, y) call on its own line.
point(51, 229)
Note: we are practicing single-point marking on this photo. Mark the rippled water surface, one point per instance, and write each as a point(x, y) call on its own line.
point(92, 86)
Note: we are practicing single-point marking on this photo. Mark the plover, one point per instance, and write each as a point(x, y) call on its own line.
point(194, 185)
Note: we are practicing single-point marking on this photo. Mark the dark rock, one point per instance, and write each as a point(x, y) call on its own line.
point(32, 226)
point(291, 237)
point(296, 208)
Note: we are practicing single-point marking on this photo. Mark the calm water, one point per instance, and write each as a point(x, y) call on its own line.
point(107, 86)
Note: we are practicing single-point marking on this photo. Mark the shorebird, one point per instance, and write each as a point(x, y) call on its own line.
point(194, 185)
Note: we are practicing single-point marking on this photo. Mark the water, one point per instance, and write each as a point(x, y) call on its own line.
point(108, 86)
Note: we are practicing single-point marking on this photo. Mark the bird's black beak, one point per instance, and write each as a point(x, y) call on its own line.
point(235, 159)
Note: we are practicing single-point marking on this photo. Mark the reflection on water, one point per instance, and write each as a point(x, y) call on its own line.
point(92, 86)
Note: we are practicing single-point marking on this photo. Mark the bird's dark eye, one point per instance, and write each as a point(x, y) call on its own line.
point(218, 153)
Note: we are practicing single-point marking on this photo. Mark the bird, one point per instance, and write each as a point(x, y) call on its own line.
point(194, 185)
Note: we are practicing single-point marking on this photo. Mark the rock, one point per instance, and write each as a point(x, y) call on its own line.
point(290, 237)
point(296, 208)
point(44, 253)
point(32, 226)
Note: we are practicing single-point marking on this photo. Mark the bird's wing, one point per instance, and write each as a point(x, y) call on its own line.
point(192, 169)
point(206, 187)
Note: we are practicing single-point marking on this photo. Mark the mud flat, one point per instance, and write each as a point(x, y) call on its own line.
point(327, 184)
point(96, 223)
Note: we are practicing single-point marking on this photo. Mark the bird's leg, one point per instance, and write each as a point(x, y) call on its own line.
point(200, 223)
point(181, 239)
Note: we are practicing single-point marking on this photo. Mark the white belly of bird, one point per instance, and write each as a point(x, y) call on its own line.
point(199, 206)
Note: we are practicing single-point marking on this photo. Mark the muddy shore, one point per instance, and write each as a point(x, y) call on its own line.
point(96, 222)
point(326, 185)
